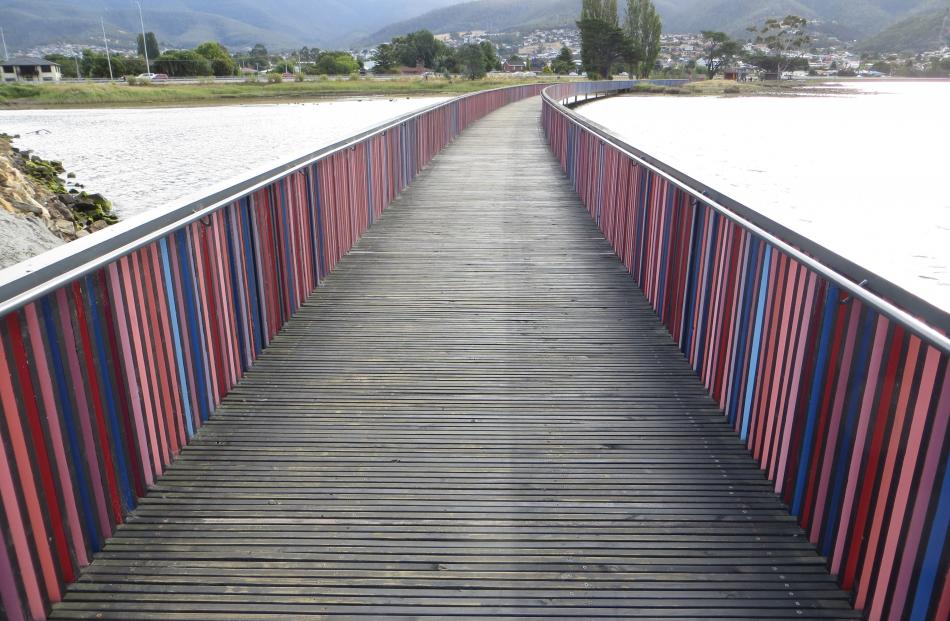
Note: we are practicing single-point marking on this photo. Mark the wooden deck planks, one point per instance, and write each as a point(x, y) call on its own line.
point(477, 417)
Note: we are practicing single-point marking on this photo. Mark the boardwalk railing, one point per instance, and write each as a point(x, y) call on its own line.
point(115, 348)
point(841, 391)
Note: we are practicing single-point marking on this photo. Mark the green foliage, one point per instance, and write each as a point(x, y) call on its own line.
point(418, 47)
point(96, 65)
point(643, 26)
point(150, 44)
point(335, 63)
point(603, 42)
point(258, 56)
point(67, 64)
point(422, 48)
point(784, 37)
point(601, 10)
point(386, 59)
point(274, 78)
point(471, 61)
point(564, 63)
point(718, 51)
point(183, 63)
point(771, 64)
point(33, 96)
point(307, 54)
point(221, 62)
point(490, 54)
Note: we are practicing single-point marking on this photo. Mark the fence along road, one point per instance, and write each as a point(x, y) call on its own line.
point(478, 416)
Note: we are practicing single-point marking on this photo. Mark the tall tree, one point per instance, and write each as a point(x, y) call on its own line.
point(785, 38)
point(564, 63)
point(718, 51)
point(603, 42)
point(490, 54)
point(603, 10)
point(182, 63)
point(259, 55)
point(644, 26)
point(150, 44)
point(221, 62)
point(471, 59)
point(385, 59)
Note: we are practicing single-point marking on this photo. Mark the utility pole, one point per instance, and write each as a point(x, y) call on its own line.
point(4, 39)
point(78, 73)
point(148, 68)
point(108, 55)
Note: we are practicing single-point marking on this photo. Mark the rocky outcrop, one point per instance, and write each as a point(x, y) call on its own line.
point(37, 211)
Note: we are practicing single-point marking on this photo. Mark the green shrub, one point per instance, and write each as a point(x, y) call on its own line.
point(274, 78)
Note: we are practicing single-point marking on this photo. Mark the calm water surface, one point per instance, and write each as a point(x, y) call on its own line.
point(865, 174)
point(145, 158)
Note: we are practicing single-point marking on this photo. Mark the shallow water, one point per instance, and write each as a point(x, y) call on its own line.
point(863, 174)
point(142, 158)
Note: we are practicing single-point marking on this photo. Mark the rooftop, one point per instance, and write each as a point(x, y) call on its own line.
point(31, 61)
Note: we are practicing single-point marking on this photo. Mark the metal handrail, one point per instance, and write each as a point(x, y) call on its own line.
point(930, 334)
point(33, 278)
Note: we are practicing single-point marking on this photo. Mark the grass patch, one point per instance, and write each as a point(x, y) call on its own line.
point(100, 95)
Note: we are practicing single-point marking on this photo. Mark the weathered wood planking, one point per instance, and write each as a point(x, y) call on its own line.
point(478, 417)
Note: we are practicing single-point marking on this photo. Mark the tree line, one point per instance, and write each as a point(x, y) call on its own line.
point(421, 48)
point(208, 59)
point(784, 38)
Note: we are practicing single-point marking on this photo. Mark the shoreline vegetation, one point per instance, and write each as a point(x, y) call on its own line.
point(720, 87)
point(96, 95)
point(38, 209)
point(99, 95)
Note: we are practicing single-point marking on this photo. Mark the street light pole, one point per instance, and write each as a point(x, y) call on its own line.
point(108, 55)
point(148, 68)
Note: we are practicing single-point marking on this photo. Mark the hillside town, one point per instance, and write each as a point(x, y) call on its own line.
point(681, 55)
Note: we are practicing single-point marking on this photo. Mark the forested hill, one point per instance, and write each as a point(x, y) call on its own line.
point(922, 32)
point(235, 23)
point(283, 24)
point(847, 19)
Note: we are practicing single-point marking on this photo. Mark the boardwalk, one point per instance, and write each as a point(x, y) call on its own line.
point(478, 417)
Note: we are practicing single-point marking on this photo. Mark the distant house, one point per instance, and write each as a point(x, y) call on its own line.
point(419, 69)
point(29, 69)
point(740, 74)
point(510, 67)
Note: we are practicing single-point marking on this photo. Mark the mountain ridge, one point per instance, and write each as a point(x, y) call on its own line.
point(283, 24)
point(286, 24)
point(846, 19)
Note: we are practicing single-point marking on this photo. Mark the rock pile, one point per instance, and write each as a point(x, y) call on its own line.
point(37, 212)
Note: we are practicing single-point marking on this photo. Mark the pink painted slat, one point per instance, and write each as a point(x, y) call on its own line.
point(890, 556)
point(863, 593)
point(85, 412)
point(128, 364)
point(56, 436)
point(864, 423)
point(835, 421)
point(11, 506)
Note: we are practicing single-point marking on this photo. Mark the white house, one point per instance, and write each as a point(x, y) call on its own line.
point(29, 69)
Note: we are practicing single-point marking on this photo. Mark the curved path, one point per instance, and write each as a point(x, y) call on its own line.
point(477, 417)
